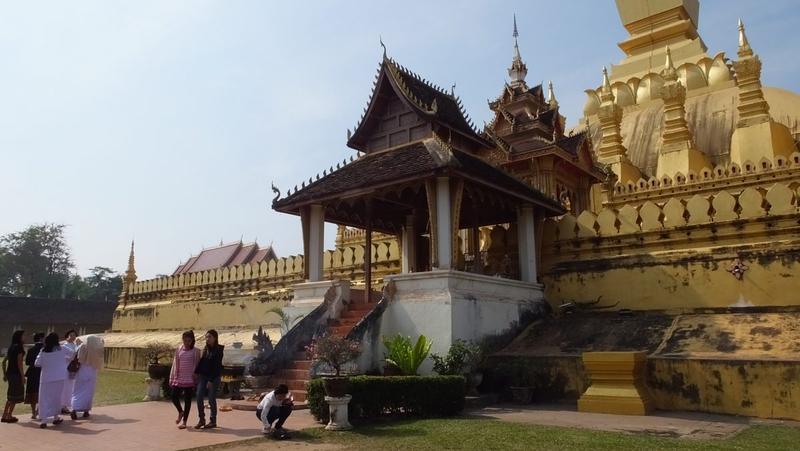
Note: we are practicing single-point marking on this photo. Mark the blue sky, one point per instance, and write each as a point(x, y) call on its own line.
point(167, 120)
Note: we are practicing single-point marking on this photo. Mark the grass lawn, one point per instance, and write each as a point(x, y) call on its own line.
point(473, 434)
point(113, 387)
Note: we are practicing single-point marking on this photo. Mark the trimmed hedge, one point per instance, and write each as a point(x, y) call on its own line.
point(376, 396)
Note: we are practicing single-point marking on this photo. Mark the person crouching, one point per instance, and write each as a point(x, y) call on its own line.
point(275, 408)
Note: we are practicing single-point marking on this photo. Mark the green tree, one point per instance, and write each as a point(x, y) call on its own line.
point(104, 284)
point(35, 262)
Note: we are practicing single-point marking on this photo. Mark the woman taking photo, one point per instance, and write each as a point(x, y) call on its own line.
point(209, 370)
point(90, 357)
point(53, 361)
point(32, 373)
point(13, 375)
point(182, 378)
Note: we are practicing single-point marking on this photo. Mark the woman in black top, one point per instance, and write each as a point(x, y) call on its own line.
point(13, 373)
point(32, 373)
point(209, 370)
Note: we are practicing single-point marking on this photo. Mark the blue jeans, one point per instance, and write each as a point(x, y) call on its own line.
point(203, 392)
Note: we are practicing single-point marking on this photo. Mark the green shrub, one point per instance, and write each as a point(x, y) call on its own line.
point(376, 396)
point(462, 358)
point(404, 356)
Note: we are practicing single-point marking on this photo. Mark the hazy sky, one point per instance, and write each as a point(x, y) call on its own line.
point(167, 120)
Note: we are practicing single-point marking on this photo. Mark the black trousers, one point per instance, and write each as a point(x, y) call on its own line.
point(276, 413)
point(186, 392)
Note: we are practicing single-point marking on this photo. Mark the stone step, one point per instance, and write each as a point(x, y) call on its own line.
point(300, 365)
point(361, 307)
point(300, 396)
point(340, 330)
point(286, 374)
point(296, 384)
point(346, 322)
point(354, 314)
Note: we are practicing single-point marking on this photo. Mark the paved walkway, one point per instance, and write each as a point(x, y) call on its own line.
point(667, 424)
point(140, 426)
point(150, 426)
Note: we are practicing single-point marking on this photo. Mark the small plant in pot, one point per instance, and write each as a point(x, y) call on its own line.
point(154, 352)
point(462, 359)
point(334, 351)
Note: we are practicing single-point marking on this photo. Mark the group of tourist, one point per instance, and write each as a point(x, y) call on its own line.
point(60, 379)
point(199, 372)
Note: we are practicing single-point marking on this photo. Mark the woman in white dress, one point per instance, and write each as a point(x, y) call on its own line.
point(90, 356)
point(53, 361)
point(70, 345)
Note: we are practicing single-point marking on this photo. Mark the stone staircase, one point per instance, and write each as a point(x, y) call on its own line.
point(298, 373)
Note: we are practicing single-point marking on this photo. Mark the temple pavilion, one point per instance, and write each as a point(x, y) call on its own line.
point(420, 175)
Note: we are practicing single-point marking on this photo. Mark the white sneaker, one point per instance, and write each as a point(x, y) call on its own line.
point(266, 430)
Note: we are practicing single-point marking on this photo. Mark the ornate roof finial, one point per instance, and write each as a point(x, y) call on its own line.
point(669, 72)
point(518, 70)
point(380, 39)
point(606, 83)
point(744, 44)
point(551, 96)
point(130, 274)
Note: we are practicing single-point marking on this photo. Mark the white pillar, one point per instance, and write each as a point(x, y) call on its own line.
point(444, 242)
point(409, 245)
point(316, 242)
point(527, 244)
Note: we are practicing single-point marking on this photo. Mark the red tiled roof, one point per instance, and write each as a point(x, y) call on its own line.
point(225, 255)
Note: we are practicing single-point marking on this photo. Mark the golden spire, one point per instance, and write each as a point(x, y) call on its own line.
point(744, 44)
point(755, 124)
point(678, 152)
point(551, 96)
point(606, 95)
point(669, 72)
point(130, 274)
point(518, 69)
point(611, 151)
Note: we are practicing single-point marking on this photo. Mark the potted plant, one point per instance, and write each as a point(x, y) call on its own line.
point(404, 357)
point(334, 351)
point(521, 389)
point(462, 358)
point(154, 352)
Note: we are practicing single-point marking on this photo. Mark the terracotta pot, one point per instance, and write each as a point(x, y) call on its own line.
point(335, 387)
point(158, 371)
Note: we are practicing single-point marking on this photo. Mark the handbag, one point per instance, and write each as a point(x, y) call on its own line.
point(74, 365)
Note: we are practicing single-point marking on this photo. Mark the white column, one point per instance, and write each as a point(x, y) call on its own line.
point(444, 241)
point(316, 242)
point(409, 245)
point(527, 244)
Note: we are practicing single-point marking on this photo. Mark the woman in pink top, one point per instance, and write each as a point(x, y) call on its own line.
point(182, 379)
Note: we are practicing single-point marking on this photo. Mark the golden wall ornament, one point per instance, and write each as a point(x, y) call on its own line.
point(737, 268)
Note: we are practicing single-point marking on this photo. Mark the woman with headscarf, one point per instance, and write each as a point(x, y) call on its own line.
point(90, 356)
point(70, 346)
point(14, 376)
point(53, 361)
point(32, 373)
